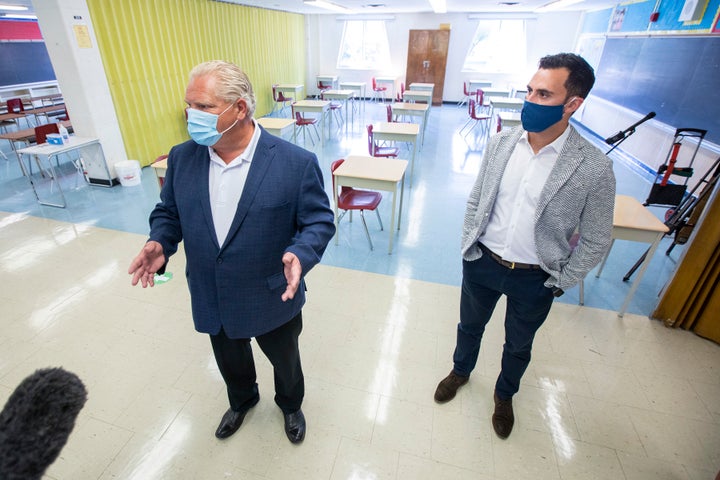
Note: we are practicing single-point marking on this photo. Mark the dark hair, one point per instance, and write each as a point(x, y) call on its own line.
point(581, 78)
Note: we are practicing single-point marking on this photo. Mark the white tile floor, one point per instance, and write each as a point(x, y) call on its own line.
point(605, 397)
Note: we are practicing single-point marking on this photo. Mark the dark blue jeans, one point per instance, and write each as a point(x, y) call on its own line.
point(528, 305)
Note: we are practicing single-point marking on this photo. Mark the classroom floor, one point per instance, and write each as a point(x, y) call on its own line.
point(605, 397)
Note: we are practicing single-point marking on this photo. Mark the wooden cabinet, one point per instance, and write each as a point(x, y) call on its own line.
point(427, 58)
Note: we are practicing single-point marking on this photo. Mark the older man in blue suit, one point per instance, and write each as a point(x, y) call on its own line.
point(254, 217)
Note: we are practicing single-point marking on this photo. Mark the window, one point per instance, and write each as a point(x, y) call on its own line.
point(364, 45)
point(497, 47)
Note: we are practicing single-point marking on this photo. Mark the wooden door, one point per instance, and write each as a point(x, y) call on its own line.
point(427, 58)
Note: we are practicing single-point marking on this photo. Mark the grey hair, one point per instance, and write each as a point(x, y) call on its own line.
point(231, 84)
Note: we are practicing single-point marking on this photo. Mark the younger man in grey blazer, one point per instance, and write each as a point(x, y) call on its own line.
point(537, 186)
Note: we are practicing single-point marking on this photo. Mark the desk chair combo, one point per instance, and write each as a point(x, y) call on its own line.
point(476, 118)
point(16, 105)
point(349, 199)
point(377, 151)
point(280, 101)
point(378, 90)
point(304, 123)
point(323, 86)
point(41, 133)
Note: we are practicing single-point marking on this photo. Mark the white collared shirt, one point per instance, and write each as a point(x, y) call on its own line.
point(226, 183)
point(510, 232)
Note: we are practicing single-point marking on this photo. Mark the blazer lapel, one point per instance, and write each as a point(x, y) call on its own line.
point(259, 166)
point(567, 162)
point(203, 189)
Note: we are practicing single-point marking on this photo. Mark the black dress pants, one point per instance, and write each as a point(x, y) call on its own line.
point(234, 357)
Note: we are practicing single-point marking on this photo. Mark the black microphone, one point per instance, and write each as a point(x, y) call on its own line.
point(36, 422)
point(620, 135)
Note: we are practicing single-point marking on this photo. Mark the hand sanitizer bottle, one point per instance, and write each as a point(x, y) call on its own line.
point(63, 132)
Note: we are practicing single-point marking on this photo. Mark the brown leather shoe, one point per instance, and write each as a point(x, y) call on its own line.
point(448, 387)
point(503, 418)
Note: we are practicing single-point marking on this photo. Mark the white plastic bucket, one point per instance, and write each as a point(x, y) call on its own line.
point(128, 172)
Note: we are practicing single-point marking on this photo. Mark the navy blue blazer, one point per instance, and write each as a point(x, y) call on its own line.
point(283, 208)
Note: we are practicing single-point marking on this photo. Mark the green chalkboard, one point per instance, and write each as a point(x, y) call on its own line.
point(676, 77)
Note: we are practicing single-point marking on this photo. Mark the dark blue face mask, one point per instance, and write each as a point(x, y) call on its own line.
point(536, 117)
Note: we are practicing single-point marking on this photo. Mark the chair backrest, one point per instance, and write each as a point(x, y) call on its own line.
point(374, 83)
point(499, 124)
point(275, 97)
point(42, 131)
point(389, 113)
point(471, 108)
point(479, 96)
point(465, 90)
point(333, 166)
point(15, 105)
point(371, 144)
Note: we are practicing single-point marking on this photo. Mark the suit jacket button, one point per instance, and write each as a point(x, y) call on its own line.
point(219, 260)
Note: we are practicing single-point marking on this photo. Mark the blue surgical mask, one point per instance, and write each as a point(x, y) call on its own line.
point(536, 117)
point(202, 126)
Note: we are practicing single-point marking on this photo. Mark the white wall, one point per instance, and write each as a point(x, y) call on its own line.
point(547, 33)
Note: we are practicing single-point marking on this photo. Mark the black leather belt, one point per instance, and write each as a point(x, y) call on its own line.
point(505, 263)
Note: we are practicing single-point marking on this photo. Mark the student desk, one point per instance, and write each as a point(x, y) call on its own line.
point(505, 103)
point(26, 135)
point(331, 79)
point(315, 106)
point(398, 132)
point(633, 221)
point(280, 127)
point(91, 148)
point(342, 95)
point(389, 81)
point(295, 89)
point(372, 173)
point(412, 96)
point(358, 88)
point(421, 110)
point(509, 119)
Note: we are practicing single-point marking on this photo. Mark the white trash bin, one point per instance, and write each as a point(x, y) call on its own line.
point(129, 173)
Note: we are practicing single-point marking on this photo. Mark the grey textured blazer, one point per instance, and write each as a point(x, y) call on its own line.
point(579, 195)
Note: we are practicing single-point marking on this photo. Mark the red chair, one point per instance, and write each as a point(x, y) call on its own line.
point(499, 124)
point(389, 114)
point(378, 89)
point(467, 94)
point(401, 93)
point(304, 123)
point(322, 86)
point(280, 101)
point(349, 199)
point(42, 131)
point(478, 119)
point(15, 105)
point(335, 109)
point(377, 151)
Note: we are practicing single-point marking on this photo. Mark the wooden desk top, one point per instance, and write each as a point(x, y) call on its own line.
point(11, 116)
point(311, 103)
point(630, 213)
point(28, 134)
point(360, 166)
point(396, 128)
point(274, 123)
point(160, 164)
point(51, 108)
point(420, 107)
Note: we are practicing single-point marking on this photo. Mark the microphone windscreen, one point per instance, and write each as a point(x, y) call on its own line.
point(37, 421)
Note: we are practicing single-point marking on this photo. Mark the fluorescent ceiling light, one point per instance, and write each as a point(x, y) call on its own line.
point(556, 5)
point(18, 16)
point(438, 6)
point(327, 5)
point(17, 8)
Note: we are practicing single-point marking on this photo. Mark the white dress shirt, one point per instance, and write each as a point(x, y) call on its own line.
point(510, 232)
point(226, 183)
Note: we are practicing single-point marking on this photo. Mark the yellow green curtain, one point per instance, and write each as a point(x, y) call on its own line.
point(148, 47)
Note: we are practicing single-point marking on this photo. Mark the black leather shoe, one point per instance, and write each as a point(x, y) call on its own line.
point(503, 418)
point(448, 387)
point(231, 421)
point(295, 426)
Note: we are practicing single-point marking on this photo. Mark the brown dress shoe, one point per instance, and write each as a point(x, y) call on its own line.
point(503, 418)
point(448, 387)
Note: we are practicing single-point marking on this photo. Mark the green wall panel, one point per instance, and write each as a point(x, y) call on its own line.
point(149, 47)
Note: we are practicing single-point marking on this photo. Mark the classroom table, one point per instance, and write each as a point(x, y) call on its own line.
point(418, 86)
point(280, 127)
point(26, 135)
point(505, 103)
point(496, 92)
point(372, 173)
point(47, 100)
point(92, 152)
point(160, 168)
point(421, 110)
point(390, 82)
point(294, 89)
point(475, 85)
point(510, 119)
point(12, 117)
point(60, 108)
point(633, 221)
point(412, 96)
point(331, 79)
point(344, 96)
point(399, 132)
point(358, 88)
point(315, 106)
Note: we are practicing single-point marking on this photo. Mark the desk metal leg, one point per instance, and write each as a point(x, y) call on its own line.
point(53, 178)
point(602, 264)
point(643, 267)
